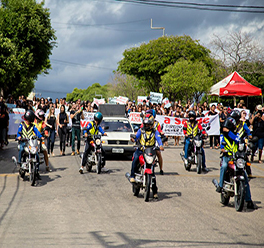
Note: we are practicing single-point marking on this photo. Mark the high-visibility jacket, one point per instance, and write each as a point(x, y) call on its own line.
point(230, 146)
point(27, 131)
point(147, 138)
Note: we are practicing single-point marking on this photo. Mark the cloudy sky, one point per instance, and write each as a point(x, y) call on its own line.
point(92, 35)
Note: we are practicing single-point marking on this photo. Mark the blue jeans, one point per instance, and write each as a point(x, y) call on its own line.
point(186, 147)
point(135, 161)
point(223, 170)
point(76, 131)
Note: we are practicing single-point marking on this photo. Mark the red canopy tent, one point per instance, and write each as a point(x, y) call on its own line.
point(238, 86)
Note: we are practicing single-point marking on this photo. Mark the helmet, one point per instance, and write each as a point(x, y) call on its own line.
point(98, 117)
point(148, 122)
point(29, 116)
point(236, 115)
point(152, 111)
point(230, 123)
point(40, 114)
point(192, 114)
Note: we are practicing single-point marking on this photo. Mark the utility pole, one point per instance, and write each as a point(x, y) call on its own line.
point(157, 27)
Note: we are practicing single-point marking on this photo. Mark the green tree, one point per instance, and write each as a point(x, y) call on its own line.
point(27, 24)
point(8, 62)
point(126, 85)
point(148, 62)
point(186, 80)
point(93, 91)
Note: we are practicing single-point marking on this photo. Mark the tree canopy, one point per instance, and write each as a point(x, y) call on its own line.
point(93, 91)
point(25, 25)
point(149, 61)
point(186, 80)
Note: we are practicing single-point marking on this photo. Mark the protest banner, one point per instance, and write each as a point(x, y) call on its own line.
point(173, 126)
point(112, 100)
point(156, 97)
point(14, 121)
point(122, 100)
point(166, 102)
point(134, 118)
point(140, 99)
point(18, 111)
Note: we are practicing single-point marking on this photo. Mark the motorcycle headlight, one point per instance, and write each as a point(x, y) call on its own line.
point(198, 143)
point(240, 163)
point(33, 150)
point(148, 159)
point(241, 147)
point(97, 142)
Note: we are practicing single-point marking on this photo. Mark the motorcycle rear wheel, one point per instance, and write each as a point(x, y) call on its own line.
point(199, 163)
point(99, 164)
point(147, 187)
point(225, 199)
point(240, 197)
point(135, 189)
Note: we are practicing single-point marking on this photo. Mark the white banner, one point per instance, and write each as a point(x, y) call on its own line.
point(140, 99)
point(14, 121)
point(134, 117)
point(18, 110)
point(122, 100)
point(98, 101)
point(156, 97)
point(166, 102)
point(112, 100)
point(173, 126)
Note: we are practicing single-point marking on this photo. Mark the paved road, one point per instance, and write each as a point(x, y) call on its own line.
point(67, 209)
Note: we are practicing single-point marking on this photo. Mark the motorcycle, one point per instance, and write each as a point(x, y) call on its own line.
point(234, 178)
point(29, 159)
point(194, 152)
point(145, 178)
point(95, 156)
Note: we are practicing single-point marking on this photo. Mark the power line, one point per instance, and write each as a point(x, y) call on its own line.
point(197, 7)
point(83, 65)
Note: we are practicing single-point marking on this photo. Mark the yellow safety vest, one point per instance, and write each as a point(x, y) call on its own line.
point(39, 125)
point(240, 128)
point(27, 130)
point(230, 147)
point(93, 130)
point(192, 130)
point(147, 138)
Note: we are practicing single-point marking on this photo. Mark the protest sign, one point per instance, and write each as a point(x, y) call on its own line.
point(140, 99)
point(18, 111)
point(166, 102)
point(156, 97)
point(134, 117)
point(174, 126)
point(122, 100)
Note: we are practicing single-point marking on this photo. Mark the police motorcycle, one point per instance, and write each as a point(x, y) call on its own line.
point(95, 156)
point(29, 159)
point(145, 178)
point(234, 178)
point(194, 152)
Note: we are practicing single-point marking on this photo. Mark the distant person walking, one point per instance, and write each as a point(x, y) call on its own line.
point(62, 121)
point(50, 121)
point(76, 115)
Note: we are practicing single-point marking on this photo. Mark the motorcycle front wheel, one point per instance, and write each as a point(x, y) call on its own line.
point(199, 163)
point(98, 164)
point(33, 174)
point(240, 197)
point(147, 187)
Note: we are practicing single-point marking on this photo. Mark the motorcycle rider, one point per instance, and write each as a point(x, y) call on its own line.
point(191, 128)
point(147, 136)
point(41, 126)
point(93, 128)
point(157, 126)
point(231, 139)
point(27, 129)
point(242, 130)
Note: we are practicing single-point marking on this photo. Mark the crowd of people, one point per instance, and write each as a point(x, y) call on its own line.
point(59, 125)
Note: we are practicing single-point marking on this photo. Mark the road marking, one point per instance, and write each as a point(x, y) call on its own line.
point(203, 175)
point(8, 175)
point(257, 167)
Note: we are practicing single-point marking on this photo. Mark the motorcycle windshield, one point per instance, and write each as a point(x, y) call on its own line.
point(33, 142)
point(150, 151)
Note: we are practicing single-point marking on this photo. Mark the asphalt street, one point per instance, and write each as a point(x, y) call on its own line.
point(67, 209)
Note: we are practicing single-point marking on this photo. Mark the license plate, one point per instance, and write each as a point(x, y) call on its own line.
point(117, 150)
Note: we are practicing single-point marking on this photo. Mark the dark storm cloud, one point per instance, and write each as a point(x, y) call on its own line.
point(101, 45)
